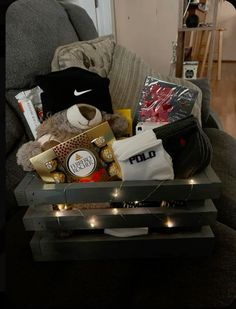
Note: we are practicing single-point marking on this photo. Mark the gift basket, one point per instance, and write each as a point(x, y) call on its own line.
point(94, 187)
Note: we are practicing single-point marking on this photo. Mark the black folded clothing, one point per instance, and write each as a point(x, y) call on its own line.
point(187, 144)
point(62, 89)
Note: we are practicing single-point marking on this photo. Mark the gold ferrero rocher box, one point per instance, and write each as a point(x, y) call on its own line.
point(84, 158)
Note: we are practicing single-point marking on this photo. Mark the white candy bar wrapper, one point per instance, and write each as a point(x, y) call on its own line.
point(30, 104)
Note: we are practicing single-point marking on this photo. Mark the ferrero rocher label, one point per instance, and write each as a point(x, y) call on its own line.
point(81, 162)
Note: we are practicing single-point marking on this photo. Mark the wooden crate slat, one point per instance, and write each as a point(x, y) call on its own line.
point(47, 219)
point(202, 186)
point(20, 190)
point(184, 244)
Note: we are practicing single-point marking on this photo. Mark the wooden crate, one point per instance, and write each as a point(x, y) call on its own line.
point(180, 231)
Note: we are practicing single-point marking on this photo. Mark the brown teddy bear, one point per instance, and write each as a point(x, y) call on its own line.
point(67, 124)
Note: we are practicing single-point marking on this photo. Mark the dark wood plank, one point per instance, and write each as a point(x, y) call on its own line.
point(180, 54)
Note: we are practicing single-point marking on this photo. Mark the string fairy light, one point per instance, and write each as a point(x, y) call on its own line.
point(115, 211)
point(153, 191)
point(191, 190)
point(65, 192)
point(58, 215)
point(169, 222)
point(92, 222)
point(116, 192)
point(166, 221)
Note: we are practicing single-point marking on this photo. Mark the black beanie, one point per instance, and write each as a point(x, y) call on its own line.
point(187, 144)
point(62, 89)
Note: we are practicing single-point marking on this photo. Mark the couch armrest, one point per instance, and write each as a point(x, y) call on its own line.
point(224, 164)
point(14, 128)
point(213, 121)
point(15, 137)
point(80, 20)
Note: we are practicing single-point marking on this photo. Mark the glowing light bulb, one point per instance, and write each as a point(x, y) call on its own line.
point(58, 213)
point(163, 203)
point(136, 202)
point(169, 223)
point(61, 207)
point(92, 223)
point(191, 181)
point(116, 193)
point(115, 211)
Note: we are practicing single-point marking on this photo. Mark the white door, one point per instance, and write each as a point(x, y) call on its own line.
point(104, 17)
point(100, 12)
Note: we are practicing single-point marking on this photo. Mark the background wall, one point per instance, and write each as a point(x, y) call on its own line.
point(227, 19)
point(148, 28)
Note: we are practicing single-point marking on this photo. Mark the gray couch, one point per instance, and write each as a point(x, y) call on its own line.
point(34, 28)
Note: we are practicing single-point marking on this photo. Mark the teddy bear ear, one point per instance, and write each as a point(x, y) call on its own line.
point(49, 144)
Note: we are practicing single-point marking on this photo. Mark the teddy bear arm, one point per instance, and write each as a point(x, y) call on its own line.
point(27, 151)
point(117, 122)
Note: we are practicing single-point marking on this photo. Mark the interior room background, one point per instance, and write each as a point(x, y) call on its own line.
point(148, 28)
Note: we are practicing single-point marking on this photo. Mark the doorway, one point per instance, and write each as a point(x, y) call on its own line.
point(101, 12)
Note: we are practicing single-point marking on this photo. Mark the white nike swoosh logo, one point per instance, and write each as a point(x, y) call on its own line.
point(77, 93)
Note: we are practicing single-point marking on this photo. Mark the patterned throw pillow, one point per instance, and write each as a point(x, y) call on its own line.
point(93, 55)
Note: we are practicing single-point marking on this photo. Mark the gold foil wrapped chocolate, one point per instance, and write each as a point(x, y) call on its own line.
point(61, 207)
point(113, 170)
point(51, 165)
point(106, 154)
point(59, 177)
point(99, 141)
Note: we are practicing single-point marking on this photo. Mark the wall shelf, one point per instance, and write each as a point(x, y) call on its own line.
point(182, 30)
point(202, 28)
